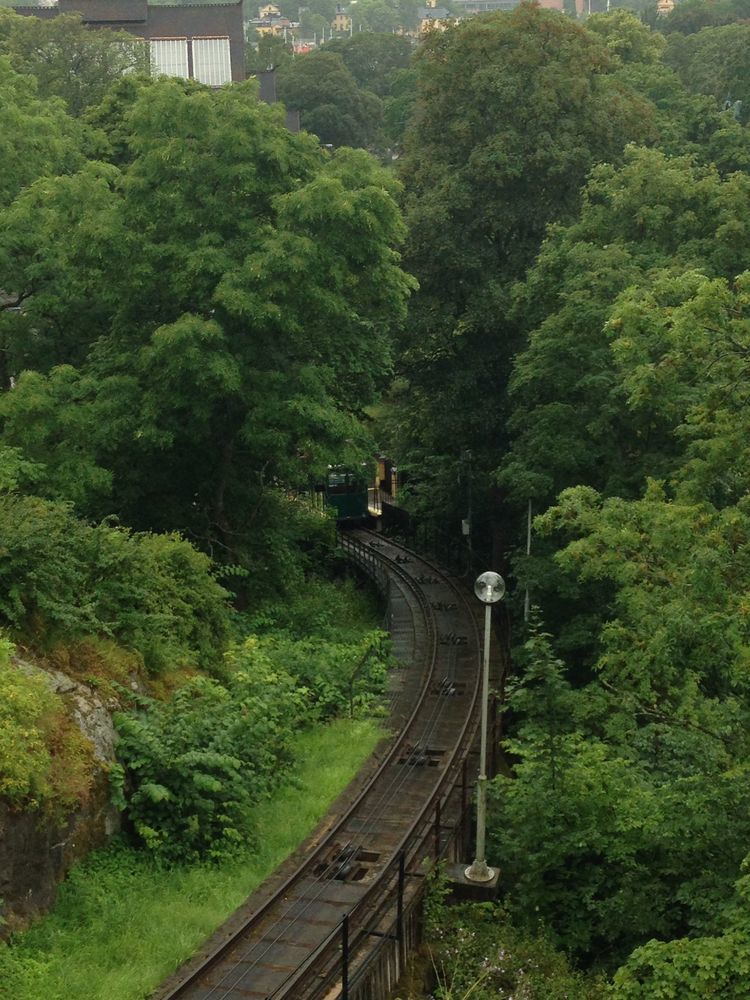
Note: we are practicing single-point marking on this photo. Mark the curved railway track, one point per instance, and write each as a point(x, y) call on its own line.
point(319, 934)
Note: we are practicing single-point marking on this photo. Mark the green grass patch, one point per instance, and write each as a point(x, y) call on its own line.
point(122, 923)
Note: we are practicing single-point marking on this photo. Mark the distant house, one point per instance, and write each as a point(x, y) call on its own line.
point(274, 25)
point(434, 18)
point(270, 10)
point(341, 21)
point(203, 42)
point(466, 7)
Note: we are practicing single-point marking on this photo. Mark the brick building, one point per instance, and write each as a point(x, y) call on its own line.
point(204, 42)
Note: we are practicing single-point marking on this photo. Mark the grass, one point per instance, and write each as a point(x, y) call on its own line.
point(122, 924)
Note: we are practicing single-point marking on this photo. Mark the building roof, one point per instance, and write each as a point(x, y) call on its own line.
point(162, 21)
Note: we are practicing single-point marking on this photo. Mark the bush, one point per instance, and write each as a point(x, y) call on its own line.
point(153, 593)
point(158, 595)
point(477, 952)
point(337, 677)
point(196, 766)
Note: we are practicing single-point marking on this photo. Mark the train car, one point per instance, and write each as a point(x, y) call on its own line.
point(346, 490)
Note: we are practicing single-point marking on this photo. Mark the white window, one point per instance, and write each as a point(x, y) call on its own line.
point(169, 57)
point(212, 63)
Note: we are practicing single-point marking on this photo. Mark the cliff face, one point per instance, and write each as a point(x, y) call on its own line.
point(35, 851)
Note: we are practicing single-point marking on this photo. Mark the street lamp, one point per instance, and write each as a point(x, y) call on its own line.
point(489, 588)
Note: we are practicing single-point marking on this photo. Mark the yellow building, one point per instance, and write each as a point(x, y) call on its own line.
point(434, 18)
point(341, 20)
point(273, 25)
point(270, 10)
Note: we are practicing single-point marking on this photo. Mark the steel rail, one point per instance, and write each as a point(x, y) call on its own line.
point(358, 926)
point(211, 957)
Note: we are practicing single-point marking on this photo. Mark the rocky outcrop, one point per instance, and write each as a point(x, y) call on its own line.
point(35, 854)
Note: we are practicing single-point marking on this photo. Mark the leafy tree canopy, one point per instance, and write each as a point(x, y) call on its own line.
point(627, 39)
point(690, 16)
point(378, 15)
point(693, 968)
point(38, 137)
point(332, 105)
point(210, 317)
point(603, 832)
point(67, 59)
point(653, 212)
point(513, 110)
point(715, 62)
point(372, 58)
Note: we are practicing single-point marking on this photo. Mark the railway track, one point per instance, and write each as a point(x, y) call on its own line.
point(323, 931)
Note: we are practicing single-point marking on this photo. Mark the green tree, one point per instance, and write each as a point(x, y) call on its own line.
point(38, 137)
point(690, 634)
point(616, 853)
point(627, 38)
point(67, 59)
point(715, 62)
point(373, 58)
point(544, 701)
point(512, 112)
point(269, 51)
point(378, 16)
point(652, 213)
point(226, 297)
point(603, 833)
point(691, 16)
point(321, 8)
point(399, 105)
point(693, 968)
point(320, 86)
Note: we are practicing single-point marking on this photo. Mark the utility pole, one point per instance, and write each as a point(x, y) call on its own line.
point(489, 588)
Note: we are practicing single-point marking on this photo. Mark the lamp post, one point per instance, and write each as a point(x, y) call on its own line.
point(489, 588)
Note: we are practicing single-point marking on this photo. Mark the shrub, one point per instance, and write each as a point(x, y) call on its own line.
point(196, 765)
point(157, 594)
point(477, 952)
point(337, 677)
point(62, 577)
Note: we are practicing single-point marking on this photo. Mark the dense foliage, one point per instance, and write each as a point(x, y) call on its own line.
point(332, 105)
point(66, 59)
point(195, 307)
point(579, 344)
point(202, 318)
point(476, 952)
point(356, 91)
point(513, 111)
point(197, 767)
point(123, 901)
point(61, 578)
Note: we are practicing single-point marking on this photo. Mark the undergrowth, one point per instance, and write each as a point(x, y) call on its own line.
point(475, 951)
point(124, 922)
point(197, 766)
